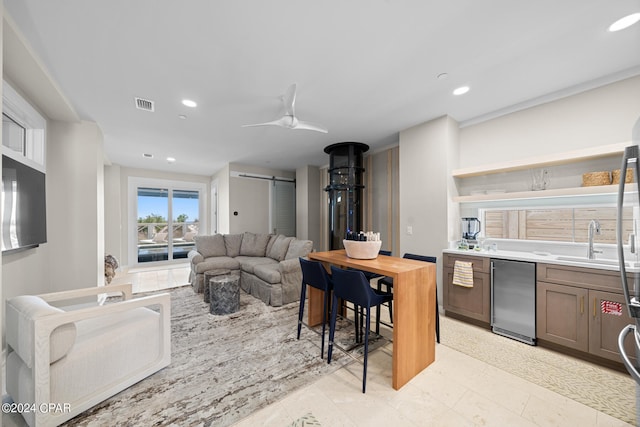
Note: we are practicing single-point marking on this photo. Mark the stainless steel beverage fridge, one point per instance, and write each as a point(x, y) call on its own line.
point(513, 299)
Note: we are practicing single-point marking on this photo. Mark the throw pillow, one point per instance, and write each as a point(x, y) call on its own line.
point(232, 243)
point(299, 248)
point(279, 248)
point(210, 246)
point(254, 244)
point(272, 240)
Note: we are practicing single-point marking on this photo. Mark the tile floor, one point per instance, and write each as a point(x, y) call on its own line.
point(148, 279)
point(456, 390)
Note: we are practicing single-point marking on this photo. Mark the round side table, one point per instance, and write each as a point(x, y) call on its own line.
point(224, 294)
point(210, 274)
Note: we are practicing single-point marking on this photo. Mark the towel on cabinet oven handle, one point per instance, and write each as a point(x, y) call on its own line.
point(463, 273)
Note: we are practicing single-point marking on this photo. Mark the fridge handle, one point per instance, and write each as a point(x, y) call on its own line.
point(625, 358)
point(631, 155)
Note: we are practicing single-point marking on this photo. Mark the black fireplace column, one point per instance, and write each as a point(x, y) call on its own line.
point(345, 190)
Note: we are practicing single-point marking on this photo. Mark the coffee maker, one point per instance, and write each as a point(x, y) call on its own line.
point(470, 230)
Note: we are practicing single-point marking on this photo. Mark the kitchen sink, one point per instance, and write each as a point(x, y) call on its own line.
point(600, 261)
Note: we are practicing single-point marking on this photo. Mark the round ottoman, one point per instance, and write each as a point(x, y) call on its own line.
point(210, 274)
point(224, 294)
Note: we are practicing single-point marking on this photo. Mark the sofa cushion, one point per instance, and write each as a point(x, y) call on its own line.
point(248, 263)
point(279, 248)
point(232, 243)
point(210, 246)
point(272, 240)
point(254, 244)
point(217, 262)
point(270, 273)
point(299, 248)
point(21, 311)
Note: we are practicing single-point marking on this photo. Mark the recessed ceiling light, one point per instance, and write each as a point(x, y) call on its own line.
point(171, 159)
point(625, 22)
point(148, 156)
point(182, 116)
point(189, 103)
point(461, 90)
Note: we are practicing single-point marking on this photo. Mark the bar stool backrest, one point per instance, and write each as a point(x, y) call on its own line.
point(314, 274)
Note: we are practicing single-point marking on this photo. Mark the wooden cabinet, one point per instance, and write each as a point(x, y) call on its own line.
point(581, 308)
point(560, 315)
point(474, 302)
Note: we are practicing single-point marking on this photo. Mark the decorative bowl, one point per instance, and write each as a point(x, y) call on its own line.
point(362, 250)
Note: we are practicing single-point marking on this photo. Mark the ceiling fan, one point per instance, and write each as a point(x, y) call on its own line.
point(289, 119)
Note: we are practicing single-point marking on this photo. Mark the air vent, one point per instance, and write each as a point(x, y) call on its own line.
point(144, 104)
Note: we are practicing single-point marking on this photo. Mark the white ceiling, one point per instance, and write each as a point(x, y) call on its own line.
point(365, 69)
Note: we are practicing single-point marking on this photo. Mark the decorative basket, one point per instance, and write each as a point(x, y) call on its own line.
point(596, 178)
point(362, 250)
point(615, 176)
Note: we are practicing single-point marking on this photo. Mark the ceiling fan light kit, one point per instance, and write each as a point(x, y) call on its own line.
point(289, 119)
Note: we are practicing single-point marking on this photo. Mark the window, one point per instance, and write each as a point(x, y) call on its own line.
point(13, 135)
point(23, 130)
point(555, 224)
point(165, 219)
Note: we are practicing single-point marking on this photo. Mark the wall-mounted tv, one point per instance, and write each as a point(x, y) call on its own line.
point(23, 204)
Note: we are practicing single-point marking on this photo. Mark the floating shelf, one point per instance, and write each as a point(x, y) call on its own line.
point(542, 161)
point(557, 192)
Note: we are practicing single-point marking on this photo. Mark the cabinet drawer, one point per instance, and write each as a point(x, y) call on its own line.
point(588, 278)
point(480, 264)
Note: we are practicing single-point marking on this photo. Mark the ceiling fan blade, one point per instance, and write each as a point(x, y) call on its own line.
point(284, 122)
point(302, 125)
point(289, 100)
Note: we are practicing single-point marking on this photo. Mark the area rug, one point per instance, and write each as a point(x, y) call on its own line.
point(223, 368)
point(600, 388)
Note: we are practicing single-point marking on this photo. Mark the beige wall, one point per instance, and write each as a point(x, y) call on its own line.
point(248, 205)
point(308, 204)
point(427, 156)
point(600, 116)
point(221, 179)
point(249, 197)
point(75, 225)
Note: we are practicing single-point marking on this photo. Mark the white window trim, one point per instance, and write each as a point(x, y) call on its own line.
point(134, 183)
point(23, 113)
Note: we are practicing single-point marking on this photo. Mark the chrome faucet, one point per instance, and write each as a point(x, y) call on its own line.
point(594, 228)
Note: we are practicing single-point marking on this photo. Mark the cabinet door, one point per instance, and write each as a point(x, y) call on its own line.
point(608, 315)
point(562, 315)
point(470, 302)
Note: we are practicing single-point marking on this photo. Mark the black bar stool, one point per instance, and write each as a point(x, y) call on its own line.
point(314, 274)
point(352, 286)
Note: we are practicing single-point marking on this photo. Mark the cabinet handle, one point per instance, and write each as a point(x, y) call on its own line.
point(581, 305)
point(594, 308)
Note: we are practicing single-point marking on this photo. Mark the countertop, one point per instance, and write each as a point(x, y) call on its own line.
point(548, 258)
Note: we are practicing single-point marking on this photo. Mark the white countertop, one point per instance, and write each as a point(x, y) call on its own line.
point(548, 258)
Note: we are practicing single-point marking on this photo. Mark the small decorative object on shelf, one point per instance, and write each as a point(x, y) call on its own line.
point(362, 245)
point(539, 179)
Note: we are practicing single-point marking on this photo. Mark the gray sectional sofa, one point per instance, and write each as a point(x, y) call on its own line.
point(268, 264)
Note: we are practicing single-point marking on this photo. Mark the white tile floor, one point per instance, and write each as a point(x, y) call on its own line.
point(148, 279)
point(456, 390)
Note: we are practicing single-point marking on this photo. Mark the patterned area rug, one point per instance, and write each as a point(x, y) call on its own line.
point(606, 390)
point(223, 368)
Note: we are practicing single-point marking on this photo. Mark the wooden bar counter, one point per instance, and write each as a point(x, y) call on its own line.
point(414, 293)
